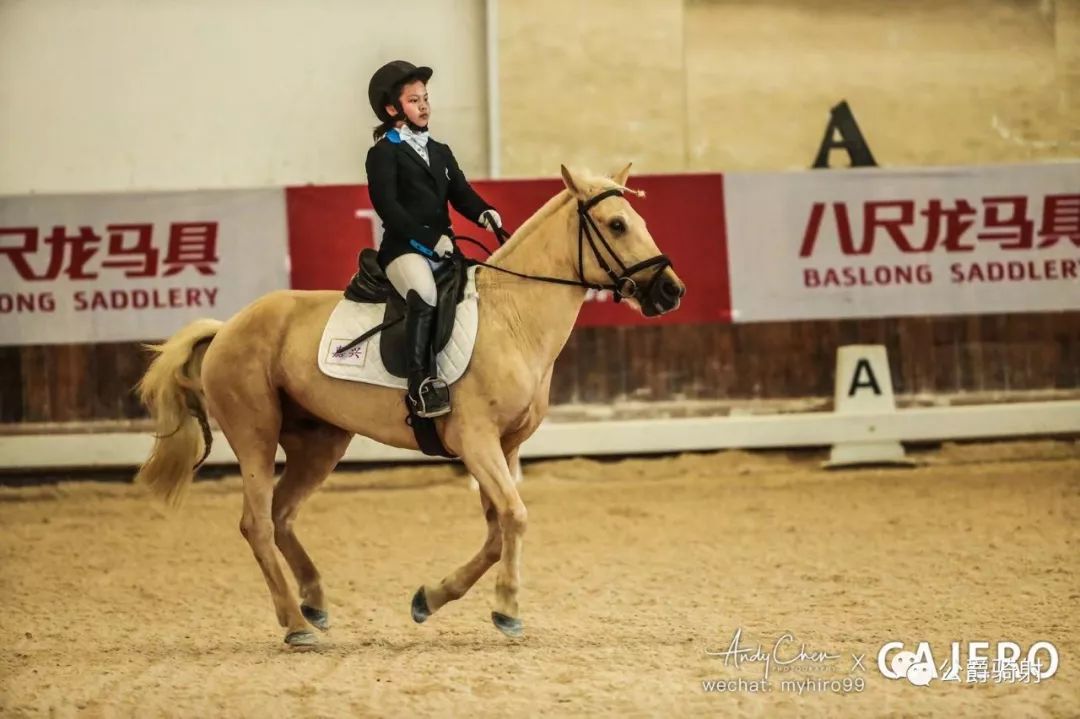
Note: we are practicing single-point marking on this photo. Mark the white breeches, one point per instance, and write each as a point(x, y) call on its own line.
point(413, 272)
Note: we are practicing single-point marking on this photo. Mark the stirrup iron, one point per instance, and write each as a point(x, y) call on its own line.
point(434, 398)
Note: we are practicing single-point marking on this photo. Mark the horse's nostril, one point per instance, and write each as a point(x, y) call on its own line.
point(671, 290)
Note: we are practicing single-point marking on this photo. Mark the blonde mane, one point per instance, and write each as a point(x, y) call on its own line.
point(594, 184)
point(530, 225)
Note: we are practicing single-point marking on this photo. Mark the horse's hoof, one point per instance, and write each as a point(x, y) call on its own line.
point(317, 617)
point(302, 638)
point(420, 611)
point(509, 626)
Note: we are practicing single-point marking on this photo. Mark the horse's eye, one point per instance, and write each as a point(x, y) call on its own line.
point(617, 226)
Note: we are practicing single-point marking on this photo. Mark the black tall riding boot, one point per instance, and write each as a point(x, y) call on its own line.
point(429, 395)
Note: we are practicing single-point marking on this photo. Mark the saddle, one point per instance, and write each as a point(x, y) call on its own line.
point(370, 285)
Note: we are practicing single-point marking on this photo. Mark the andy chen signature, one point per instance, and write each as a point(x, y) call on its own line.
point(782, 653)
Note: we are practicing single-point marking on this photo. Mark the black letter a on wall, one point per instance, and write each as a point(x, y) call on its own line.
point(842, 122)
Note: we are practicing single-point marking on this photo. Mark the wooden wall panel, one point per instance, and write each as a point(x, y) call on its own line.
point(602, 365)
point(11, 385)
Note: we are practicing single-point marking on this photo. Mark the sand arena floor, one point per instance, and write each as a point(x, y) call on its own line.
point(633, 571)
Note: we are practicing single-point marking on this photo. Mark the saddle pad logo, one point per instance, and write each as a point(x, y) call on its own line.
point(354, 357)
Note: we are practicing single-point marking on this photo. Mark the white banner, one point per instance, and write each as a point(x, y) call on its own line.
point(107, 268)
point(878, 243)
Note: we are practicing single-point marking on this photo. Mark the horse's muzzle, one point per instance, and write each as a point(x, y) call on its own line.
point(662, 295)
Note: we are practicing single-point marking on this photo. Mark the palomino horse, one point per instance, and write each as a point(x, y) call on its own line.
point(257, 375)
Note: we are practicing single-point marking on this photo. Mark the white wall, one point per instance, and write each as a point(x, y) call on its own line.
point(104, 95)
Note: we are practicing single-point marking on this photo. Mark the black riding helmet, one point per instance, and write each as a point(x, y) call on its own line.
point(386, 84)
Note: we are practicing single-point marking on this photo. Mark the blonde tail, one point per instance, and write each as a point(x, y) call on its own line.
point(172, 392)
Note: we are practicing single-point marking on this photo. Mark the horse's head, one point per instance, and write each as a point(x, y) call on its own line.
point(615, 248)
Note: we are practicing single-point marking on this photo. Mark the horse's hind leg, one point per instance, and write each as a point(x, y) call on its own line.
point(252, 424)
point(311, 452)
point(257, 526)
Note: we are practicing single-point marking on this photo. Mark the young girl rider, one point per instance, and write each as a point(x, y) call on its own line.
point(410, 179)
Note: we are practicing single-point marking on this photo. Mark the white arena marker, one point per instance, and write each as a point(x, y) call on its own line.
point(864, 387)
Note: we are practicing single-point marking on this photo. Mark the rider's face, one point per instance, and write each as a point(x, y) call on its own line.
point(414, 101)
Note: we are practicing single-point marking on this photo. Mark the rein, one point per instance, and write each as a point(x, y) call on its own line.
point(623, 286)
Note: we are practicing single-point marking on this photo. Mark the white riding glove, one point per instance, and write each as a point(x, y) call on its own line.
point(444, 247)
point(490, 219)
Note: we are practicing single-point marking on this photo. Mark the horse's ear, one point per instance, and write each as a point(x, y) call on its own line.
point(568, 179)
point(623, 175)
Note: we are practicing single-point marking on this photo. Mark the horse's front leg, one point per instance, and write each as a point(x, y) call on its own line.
point(513, 460)
point(483, 455)
point(428, 600)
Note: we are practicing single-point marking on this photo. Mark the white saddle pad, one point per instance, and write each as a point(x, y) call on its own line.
point(363, 363)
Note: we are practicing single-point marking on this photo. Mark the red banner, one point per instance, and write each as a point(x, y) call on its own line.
point(329, 225)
